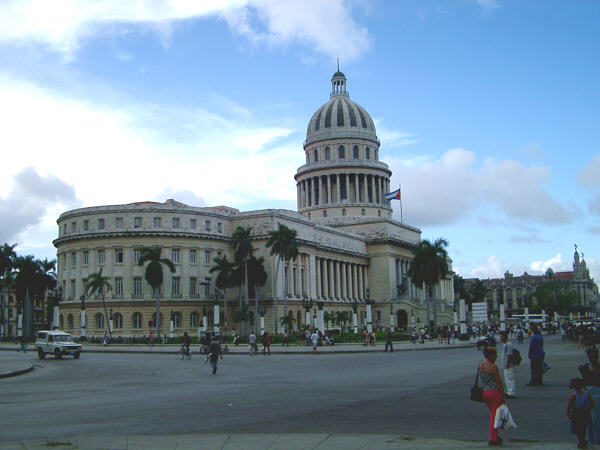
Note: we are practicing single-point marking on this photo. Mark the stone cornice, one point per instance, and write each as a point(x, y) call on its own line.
point(132, 234)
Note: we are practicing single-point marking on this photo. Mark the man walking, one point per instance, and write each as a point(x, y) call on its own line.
point(252, 343)
point(536, 356)
point(215, 352)
point(508, 365)
point(315, 341)
point(388, 341)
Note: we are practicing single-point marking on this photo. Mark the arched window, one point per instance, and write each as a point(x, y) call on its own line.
point(341, 152)
point(355, 152)
point(99, 321)
point(327, 153)
point(324, 213)
point(379, 212)
point(316, 154)
point(117, 321)
point(136, 320)
point(362, 212)
point(194, 319)
point(343, 212)
point(177, 320)
point(70, 321)
point(368, 153)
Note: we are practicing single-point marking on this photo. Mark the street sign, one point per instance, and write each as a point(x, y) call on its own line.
point(480, 313)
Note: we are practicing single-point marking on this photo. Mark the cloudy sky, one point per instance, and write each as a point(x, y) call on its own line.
point(488, 113)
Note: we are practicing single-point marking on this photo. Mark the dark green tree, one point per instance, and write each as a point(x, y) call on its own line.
point(97, 284)
point(287, 321)
point(154, 275)
point(554, 296)
point(257, 277)
point(428, 266)
point(8, 259)
point(242, 246)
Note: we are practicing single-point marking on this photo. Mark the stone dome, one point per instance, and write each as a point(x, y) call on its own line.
point(340, 116)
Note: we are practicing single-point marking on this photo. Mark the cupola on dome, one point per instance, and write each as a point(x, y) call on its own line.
point(340, 116)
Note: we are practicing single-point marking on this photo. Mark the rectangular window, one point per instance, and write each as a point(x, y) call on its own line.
point(118, 287)
point(175, 256)
point(86, 225)
point(136, 255)
point(137, 222)
point(119, 222)
point(175, 286)
point(193, 224)
point(207, 225)
point(157, 222)
point(73, 288)
point(84, 284)
point(207, 287)
point(192, 256)
point(175, 222)
point(100, 256)
point(86, 257)
point(207, 257)
point(193, 282)
point(73, 259)
point(64, 229)
point(119, 256)
point(219, 254)
point(137, 286)
point(219, 227)
point(101, 224)
point(73, 226)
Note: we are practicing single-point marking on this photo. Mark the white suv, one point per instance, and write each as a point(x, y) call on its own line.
point(57, 343)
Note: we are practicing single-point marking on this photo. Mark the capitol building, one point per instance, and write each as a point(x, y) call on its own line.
point(351, 251)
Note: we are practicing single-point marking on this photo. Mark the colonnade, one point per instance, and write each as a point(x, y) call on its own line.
point(342, 187)
point(444, 289)
point(340, 280)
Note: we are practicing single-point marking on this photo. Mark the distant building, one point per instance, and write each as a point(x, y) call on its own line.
point(351, 250)
point(516, 292)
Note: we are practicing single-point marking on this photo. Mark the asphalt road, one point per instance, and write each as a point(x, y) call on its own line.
point(421, 394)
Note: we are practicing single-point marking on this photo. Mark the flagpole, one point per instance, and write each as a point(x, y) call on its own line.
point(400, 187)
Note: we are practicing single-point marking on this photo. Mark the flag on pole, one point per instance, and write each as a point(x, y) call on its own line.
point(394, 195)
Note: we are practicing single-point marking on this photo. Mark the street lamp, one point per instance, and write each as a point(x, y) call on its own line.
point(355, 316)
point(369, 314)
point(262, 310)
point(307, 304)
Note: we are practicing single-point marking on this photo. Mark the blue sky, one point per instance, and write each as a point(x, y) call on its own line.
point(487, 112)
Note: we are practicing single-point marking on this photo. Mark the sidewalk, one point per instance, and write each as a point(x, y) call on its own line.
point(267, 441)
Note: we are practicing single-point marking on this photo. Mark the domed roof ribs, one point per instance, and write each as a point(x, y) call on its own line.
point(351, 113)
point(318, 121)
point(340, 114)
point(328, 115)
point(363, 121)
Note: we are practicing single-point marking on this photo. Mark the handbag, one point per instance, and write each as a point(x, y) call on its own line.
point(476, 391)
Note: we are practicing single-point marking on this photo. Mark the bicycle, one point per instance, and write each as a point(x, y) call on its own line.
point(186, 353)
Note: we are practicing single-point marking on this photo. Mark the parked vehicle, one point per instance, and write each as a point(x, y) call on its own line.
point(57, 343)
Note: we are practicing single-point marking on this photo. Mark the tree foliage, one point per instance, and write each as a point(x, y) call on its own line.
point(554, 296)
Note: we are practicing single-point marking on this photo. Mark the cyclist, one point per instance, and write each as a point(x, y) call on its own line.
point(186, 343)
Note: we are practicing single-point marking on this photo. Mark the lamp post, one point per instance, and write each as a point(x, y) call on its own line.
point(217, 316)
point(355, 316)
point(171, 324)
point(110, 321)
point(204, 323)
point(82, 319)
point(307, 304)
point(369, 312)
point(262, 310)
point(392, 325)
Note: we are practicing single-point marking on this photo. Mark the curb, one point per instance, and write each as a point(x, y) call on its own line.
point(14, 373)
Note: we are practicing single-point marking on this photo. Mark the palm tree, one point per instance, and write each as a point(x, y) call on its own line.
point(97, 284)
point(428, 267)
point(8, 258)
point(257, 277)
point(328, 317)
point(287, 321)
point(154, 275)
point(29, 281)
point(341, 318)
point(48, 269)
point(242, 316)
point(225, 279)
point(242, 246)
point(284, 244)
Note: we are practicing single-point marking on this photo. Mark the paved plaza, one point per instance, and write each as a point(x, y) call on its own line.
point(409, 399)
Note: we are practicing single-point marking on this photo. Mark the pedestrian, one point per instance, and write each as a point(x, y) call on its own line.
point(372, 338)
point(286, 340)
point(508, 366)
point(307, 337)
point(493, 389)
point(315, 341)
point(448, 334)
point(105, 338)
point(536, 357)
point(266, 343)
point(252, 343)
point(563, 333)
point(422, 335)
point(215, 352)
point(388, 341)
point(413, 336)
point(23, 344)
point(590, 372)
point(578, 410)
point(186, 342)
point(151, 338)
point(365, 338)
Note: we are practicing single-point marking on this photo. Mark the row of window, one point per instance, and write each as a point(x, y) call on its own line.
point(176, 258)
point(325, 153)
point(136, 320)
point(137, 287)
point(138, 222)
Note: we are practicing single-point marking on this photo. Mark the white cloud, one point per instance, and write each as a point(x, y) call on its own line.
point(65, 24)
point(444, 190)
point(590, 175)
point(487, 6)
point(555, 263)
point(492, 268)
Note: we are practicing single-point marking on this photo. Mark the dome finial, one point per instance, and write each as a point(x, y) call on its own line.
point(338, 82)
point(338, 60)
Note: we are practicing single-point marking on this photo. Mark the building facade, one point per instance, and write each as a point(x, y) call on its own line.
point(352, 254)
point(517, 292)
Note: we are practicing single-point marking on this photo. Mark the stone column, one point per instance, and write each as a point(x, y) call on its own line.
point(337, 185)
point(320, 187)
point(463, 319)
point(349, 280)
point(56, 317)
point(364, 188)
point(318, 273)
point(328, 189)
point(502, 318)
point(217, 319)
point(170, 327)
point(82, 324)
point(298, 195)
point(354, 281)
point(344, 285)
point(355, 322)
point(312, 192)
point(392, 324)
point(338, 281)
point(331, 280)
point(373, 196)
point(347, 187)
point(356, 191)
point(369, 318)
point(455, 321)
point(325, 280)
point(321, 316)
